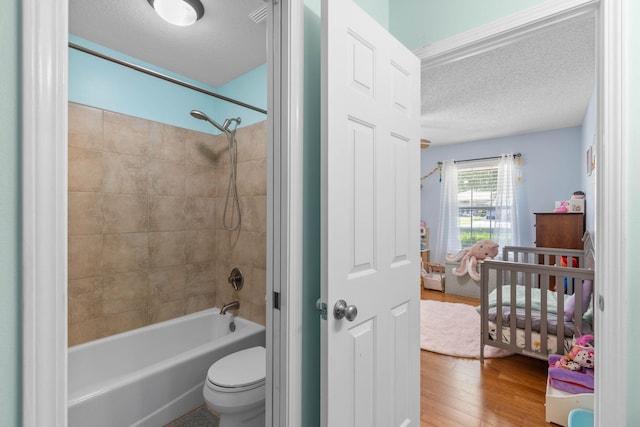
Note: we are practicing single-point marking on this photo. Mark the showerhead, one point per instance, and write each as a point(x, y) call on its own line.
point(199, 115)
point(202, 116)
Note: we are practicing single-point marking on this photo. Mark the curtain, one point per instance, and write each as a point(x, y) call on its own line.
point(448, 236)
point(506, 232)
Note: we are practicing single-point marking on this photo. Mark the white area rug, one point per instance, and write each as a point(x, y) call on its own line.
point(453, 329)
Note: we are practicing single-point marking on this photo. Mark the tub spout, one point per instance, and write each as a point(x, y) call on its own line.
point(234, 305)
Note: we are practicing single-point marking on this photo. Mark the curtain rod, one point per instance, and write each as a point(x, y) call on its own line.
point(165, 77)
point(481, 158)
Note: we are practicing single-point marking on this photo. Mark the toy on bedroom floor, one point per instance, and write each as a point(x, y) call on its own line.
point(573, 372)
point(469, 257)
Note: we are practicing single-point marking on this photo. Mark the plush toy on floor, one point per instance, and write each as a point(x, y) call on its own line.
point(580, 357)
point(469, 257)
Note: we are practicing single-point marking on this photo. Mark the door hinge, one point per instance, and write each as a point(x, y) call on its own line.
point(276, 300)
point(322, 308)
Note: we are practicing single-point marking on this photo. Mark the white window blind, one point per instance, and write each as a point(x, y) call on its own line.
point(477, 189)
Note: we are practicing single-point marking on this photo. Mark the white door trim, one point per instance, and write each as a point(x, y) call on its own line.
point(44, 211)
point(501, 32)
point(611, 218)
point(284, 218)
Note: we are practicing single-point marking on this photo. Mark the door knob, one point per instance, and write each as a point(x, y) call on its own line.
point(341, 309)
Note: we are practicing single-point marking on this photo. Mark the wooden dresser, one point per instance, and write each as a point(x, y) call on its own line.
point(559, 230)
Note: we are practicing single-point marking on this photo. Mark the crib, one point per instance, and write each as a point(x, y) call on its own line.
point(534, 306)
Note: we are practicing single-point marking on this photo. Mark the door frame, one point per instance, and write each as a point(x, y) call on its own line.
point(44, 212)
point(611, 331)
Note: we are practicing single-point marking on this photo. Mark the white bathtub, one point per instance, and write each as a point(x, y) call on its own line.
point(152, 375)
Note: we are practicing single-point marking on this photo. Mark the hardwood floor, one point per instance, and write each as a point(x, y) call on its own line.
point(461, 392)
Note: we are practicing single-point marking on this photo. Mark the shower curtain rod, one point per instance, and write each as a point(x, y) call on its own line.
point(165, 77)
point(481, 158)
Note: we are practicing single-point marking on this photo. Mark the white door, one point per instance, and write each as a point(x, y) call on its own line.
point(370, 252)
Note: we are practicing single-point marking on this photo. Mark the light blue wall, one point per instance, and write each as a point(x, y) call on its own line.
point(100, 83)
point(633, 219)
point(417, 23)
point(550, 170)
point(10, 236)
point(378, 9)
point(587, 137)
point(311, 212)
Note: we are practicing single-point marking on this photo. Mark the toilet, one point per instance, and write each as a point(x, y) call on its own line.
point(235, 388)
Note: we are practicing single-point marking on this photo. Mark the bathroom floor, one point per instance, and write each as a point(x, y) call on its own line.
point(199, 417)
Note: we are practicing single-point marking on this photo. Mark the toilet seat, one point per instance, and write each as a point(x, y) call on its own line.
point(239, 371)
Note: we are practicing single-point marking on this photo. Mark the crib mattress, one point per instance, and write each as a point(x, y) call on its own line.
point(570, 329)
point(536, 339)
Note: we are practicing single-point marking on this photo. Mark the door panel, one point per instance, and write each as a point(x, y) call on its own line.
point(370, 222)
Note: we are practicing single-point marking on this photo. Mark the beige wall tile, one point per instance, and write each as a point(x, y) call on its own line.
point(201, 278)
point(125, 292)
point(85, 307)
point(85, 170)
point(126, 321)
point(250, 249)
point(168, 283)
point(167, 213)
point(146, 242)
point(205, 149)
point(125, 213)
point(167, 248)
point(224, 291)
point(85, 213)
point(252, 142)
point(125, 174)
point(126, 134)
point(85, 256)
point(221, 180)
point(125, 252)
point(166, 142)
point(254, 213)
point(200, 302)
point(85, 286)
point(85, 127)
point(161, 311)
point(200, 245)
point(86, 331)
point(254, 290)
point(200, 212)
point(200, 180)
point(166, 177)
point(252, 178)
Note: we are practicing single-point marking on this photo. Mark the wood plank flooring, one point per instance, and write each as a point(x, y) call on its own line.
point(461, 392)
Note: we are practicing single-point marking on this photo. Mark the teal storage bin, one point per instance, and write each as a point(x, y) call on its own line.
point(580, 418)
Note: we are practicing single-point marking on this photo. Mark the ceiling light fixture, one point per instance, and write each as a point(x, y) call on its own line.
point(178, 12)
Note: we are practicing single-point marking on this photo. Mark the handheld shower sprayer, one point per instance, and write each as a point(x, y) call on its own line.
point(232, 192)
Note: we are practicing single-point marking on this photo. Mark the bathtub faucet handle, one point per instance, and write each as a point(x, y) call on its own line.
point(236, 279)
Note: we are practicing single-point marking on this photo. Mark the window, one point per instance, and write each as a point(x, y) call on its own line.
point(477, 190)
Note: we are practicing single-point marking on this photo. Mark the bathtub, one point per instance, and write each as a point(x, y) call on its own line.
point(151, 375)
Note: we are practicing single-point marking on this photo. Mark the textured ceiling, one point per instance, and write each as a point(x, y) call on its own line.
point(224, 44)
point(540, 82)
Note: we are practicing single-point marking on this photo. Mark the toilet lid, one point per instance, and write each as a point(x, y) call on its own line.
point(240, 369)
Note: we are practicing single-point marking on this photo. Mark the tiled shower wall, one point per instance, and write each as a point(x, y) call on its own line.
point(146, 241)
